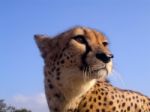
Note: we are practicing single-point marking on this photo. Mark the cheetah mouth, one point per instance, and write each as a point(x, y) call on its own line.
point(96, 72)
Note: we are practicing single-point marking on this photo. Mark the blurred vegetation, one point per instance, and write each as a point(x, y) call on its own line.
point(6, 108)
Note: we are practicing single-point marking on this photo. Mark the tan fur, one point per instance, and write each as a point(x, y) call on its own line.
point(75, 76)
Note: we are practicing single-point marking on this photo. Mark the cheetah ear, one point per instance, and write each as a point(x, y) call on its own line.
point(44, 44)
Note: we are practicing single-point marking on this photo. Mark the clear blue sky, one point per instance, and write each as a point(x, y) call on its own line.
point(125, 22)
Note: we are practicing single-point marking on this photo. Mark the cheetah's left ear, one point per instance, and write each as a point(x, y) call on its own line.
point(43, 43)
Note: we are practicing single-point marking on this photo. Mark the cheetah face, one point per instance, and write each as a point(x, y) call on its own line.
point(79, 53)
point(91, 54)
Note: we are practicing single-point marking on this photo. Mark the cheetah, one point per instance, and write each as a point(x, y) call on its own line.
point(77, 64)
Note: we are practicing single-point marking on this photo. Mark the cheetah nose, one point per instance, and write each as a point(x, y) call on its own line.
point(104, 57)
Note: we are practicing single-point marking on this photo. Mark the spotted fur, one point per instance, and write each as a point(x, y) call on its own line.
point(77, 63)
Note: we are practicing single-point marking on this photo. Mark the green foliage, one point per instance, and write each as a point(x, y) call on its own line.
point(22, 110)
point(5, 108)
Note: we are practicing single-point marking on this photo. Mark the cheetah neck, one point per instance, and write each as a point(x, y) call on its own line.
point(74, 86)
point(74, 94)
point(70, 94)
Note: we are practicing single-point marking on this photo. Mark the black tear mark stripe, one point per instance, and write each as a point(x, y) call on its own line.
point(87, 50)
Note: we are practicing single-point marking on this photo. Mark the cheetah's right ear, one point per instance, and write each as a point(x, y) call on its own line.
point(44, 44)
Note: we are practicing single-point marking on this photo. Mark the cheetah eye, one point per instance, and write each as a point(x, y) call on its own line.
point(80, 39)
point(105, 44)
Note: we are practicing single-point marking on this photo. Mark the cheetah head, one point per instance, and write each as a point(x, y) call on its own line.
point(81, 52)
point(77, 55)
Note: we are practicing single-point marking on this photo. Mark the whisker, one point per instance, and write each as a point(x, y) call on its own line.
point(97, 76)
point(90, 72)
point(84, 74)
point(87, 71)
point(118, 76)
